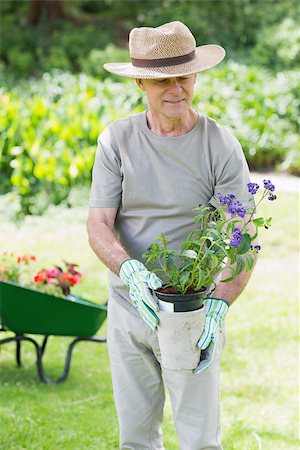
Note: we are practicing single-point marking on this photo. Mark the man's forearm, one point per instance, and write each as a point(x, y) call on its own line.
point(107, 248)
point(231, 290)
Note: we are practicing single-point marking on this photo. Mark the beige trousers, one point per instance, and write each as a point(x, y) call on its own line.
point(139, 388)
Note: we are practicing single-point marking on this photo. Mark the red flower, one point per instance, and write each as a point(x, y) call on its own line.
point(40, 277)
point(58, 277)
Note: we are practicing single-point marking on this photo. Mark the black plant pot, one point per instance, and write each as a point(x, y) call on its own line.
point(182, 302)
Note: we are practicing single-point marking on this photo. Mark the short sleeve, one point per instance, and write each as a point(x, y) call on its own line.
point(232, 178)
point(106, 188)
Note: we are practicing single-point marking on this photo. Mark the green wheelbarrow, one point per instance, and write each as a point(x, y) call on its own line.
point(29, 311)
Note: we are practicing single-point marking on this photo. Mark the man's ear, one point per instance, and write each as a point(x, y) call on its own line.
point(140, 83)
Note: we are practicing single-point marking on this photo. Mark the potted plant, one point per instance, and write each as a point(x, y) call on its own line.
point(223, 238)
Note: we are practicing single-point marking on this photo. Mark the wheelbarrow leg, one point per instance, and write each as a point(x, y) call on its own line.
point(18, 338)
point(69, 354)
point(44, 343)
point(40, 351)
point(39, 354)
point(18, 349)
point(18, 353)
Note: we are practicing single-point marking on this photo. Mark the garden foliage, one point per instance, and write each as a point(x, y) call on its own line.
point(250, 30)
point(49, 127)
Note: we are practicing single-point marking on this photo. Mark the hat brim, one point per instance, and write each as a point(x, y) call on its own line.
point(207, 56)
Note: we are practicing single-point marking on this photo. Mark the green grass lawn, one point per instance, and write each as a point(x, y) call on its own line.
point(259, 363)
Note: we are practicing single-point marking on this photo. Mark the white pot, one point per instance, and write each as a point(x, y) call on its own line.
point(178, 334)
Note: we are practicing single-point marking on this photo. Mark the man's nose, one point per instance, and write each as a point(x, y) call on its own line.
point(175, 85)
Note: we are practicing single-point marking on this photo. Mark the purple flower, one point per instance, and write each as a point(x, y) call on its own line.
point(230, 198)
point(237, 208)
point(234, 207)
point(253, 188)
point(272, 197)
point(236, 238)
point(227, 199)
point(268, 185)
point(221, 199)
point(256, 247)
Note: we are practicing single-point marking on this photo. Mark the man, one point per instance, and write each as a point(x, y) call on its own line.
point(151, 169)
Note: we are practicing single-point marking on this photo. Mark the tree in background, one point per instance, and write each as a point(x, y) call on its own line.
point(48, 9)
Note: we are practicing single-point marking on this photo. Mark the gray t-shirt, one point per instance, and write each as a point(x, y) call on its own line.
point(156, 181)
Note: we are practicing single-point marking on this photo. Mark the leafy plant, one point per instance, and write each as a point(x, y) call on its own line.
point(223, 239)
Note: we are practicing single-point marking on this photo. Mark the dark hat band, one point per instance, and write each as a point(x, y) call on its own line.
point(164, 62)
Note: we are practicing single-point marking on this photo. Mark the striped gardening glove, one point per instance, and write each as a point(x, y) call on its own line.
point(216, 310)
point(139, 280)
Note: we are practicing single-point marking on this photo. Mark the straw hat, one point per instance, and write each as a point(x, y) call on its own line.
point(166, 51)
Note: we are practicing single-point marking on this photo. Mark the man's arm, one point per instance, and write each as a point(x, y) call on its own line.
point(133, 273)
point(231, 290)
point(100, 227)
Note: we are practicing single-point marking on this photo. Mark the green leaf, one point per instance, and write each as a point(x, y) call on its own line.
point(249, 260)
point(184, 278)
point(220, 250)
point(240, 265)
point(245, 245)
point(170, 260)
point(201, 278)
point(227, 280)
point(216, 235)
point(189, 254)
point(232, 255)
point(189, 245)
point(214, 262)
point(259, 221)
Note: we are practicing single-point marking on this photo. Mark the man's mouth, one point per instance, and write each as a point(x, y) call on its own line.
point(174, 102)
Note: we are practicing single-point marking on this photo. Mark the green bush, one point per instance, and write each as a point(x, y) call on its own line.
point(20, 61)
point(34, 50)
point(261, 110)
point(49, 128)
point(93, 64)
point(278, 46)
point(49, 131)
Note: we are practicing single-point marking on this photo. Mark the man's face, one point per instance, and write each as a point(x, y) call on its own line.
point(171, 97)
